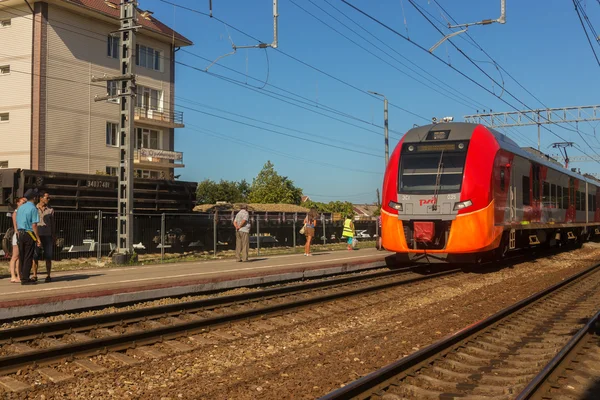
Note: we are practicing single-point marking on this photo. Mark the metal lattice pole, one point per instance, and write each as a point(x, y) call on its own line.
point(126, 94)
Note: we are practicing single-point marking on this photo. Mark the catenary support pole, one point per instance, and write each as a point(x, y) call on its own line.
point(162, 236)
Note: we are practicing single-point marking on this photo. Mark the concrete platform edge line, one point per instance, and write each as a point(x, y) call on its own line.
point(8, 312)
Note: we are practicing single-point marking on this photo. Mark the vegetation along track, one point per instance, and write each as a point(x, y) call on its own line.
point(495, 358)
point(29, 346)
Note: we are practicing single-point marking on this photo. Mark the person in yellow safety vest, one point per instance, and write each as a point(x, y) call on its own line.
point(348, 231)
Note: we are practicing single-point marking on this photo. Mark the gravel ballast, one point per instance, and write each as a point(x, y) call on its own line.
point(309, 359)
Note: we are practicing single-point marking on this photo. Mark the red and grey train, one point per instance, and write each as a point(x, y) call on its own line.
point(460, 192)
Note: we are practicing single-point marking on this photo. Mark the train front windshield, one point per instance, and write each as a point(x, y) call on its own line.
point(424, 171)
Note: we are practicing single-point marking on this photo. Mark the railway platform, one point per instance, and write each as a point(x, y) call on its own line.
point(92, 288)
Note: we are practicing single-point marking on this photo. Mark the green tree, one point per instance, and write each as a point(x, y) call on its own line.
point(270, 187)
point(344, 207)
point(209, 191)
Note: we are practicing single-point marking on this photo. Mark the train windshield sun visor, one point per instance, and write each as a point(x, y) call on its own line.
point(438, 170)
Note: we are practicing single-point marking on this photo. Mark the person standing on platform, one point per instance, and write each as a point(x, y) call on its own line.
point(349, 232)
point(47, 231)
point(310, 222)
point(242, 233)
point(15, 274)
point(27, 235)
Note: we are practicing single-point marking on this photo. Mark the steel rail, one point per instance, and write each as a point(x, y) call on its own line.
point(28, 332)
point(13, 363)
point(380, 378)
point(540, 378)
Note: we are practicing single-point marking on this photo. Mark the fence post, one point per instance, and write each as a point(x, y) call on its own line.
point(257, 235)
point(163, 221)
point(294, 230)
point(99, 241)
point(324, 233)
point(215, 233)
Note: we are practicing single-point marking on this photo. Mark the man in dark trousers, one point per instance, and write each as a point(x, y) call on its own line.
point(27, 235)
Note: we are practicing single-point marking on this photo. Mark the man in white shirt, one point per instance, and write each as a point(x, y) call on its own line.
point(242, 233)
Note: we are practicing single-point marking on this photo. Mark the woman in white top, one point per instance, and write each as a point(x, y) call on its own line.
point(14, 260)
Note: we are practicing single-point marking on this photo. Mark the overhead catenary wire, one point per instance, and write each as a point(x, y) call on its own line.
point(449, 95)
point(577, 4)
point(102, 37)
point(453, 67)
point(320, 142)
point(279, 51)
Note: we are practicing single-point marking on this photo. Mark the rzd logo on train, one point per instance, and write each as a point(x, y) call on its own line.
point(429, 201)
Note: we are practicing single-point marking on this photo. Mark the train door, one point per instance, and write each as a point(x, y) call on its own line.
point(512, 199)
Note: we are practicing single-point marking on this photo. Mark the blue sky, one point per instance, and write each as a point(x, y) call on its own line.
point(542, 45)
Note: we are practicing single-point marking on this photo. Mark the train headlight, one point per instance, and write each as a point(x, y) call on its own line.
point(395, 206)
point(461, 146)
point(411, 148)
point(462, 204)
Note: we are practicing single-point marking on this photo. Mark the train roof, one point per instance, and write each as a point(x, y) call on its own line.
point(464, 131)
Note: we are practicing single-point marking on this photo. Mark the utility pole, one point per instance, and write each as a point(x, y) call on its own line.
point(126, 94)
point(385, 126)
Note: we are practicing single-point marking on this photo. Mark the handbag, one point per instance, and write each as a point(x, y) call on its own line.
point(303, 229)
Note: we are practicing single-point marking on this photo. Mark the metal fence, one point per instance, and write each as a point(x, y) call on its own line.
point(82, 234)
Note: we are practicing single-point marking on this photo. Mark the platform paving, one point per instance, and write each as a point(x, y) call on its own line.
point(84, 289)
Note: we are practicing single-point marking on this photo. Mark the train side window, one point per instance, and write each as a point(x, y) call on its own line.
point(502, 179)
point(559, 198)
point(593, 207)
point(590, 202)
point(526, 191)
point(577, 200)
point(565, 198)
point(553, 195)
point(546, 194)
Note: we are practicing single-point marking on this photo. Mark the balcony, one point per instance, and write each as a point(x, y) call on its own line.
point(161, 117)
point(156, 158)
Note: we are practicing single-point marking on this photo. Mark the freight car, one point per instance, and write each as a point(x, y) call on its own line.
point(82, 192)
point(459, 192)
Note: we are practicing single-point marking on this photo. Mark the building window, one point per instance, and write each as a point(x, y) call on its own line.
point(148, 57)
point(149, 99)
point(147, 139)
point(5, 23)
point(112, 134)
point(4, 117)
point(3, 164)
point(147, 174)
point(113, 46)
point(112, 171)
point(112, 89)
point(4, 69)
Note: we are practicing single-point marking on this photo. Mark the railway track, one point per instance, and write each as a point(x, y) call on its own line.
point(25, 349)
point(574, 373)
point(494, 358)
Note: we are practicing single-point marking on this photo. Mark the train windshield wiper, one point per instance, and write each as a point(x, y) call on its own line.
point(437, 182)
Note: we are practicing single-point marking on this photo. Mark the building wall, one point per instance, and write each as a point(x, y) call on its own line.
point(16, 51)
point(76, 124)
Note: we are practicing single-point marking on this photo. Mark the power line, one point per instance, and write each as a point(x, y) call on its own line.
point(575, 3)
point(278, 50)
point(257, 120)
point(225, 118)
point(272, 94)
point(448, 64)
point(102, 38)
point(372, 53)
point(269, 150)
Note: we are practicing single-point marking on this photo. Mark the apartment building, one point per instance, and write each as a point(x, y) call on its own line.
point(49, 120)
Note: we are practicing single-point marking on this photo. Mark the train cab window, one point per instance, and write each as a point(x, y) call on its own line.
point(526, 191)
point(423, 169)
point(502, 178)
point(546, 199)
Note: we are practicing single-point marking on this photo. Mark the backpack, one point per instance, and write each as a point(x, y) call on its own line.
point(7, 242)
